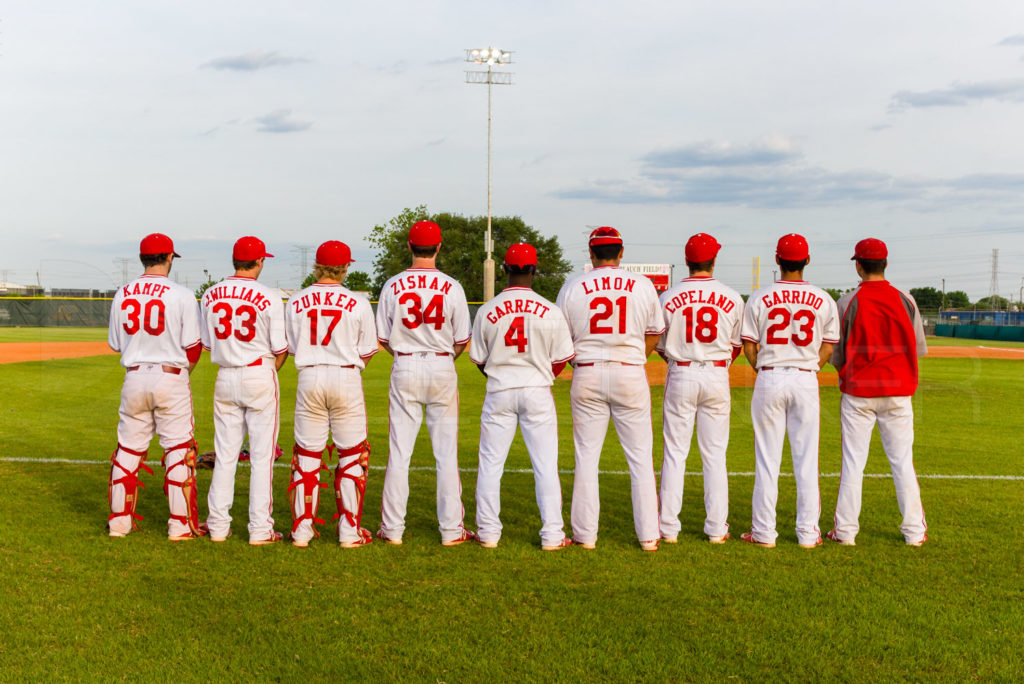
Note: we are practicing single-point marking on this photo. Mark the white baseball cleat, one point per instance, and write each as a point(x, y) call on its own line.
point(670, 540)
point(556, 547)
point(467, 535)
point(300, 543)
point(812, 545)
point(919, 542)
point(365, 538)
point(272, 539)
point(487, 544)
point(649, 545)
point(842, 542)
point(749, 538)
point(720, 539)
point(388, 540)
point(589, 546)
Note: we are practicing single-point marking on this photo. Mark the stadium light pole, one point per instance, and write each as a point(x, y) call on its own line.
point(492, 57)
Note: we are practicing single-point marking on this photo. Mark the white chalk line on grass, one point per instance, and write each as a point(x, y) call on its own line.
point(563, 471)
point(1009, 349)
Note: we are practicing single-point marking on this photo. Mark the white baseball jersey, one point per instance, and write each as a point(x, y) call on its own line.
point(243, 321)
point(703, 318)
point(153, 320)
point(329, 325)
point(609, 311)
point(790, 319)
point(518, 335)
point(422, 310)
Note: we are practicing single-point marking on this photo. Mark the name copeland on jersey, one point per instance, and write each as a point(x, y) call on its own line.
point(703, 318)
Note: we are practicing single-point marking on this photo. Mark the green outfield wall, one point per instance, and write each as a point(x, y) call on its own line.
point(1005, 333)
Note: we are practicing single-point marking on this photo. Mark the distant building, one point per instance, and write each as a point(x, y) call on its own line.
point(15, 290)
point(70, 292)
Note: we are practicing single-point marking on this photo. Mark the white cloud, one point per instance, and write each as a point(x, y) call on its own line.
point(252, 61)
point(280, 121)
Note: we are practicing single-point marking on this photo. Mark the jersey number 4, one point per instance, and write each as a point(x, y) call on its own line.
point(149, 318)
point(245, 328)
point(515, 336)
point(416, 315)
point(313, 315)
point(607, 308)
point(781, 319)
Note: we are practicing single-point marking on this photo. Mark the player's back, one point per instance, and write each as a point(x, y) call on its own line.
point(153, 320)
point(422, 310)
point(703, 317)
point(243, 321)
point(610, 311)
point(518, 335)
point(790, 319)
point(328, 324)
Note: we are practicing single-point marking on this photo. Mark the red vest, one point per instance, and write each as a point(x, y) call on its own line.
point(878, 343)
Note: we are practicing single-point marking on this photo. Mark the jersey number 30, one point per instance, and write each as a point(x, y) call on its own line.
point(151, 320)
point(416, 315)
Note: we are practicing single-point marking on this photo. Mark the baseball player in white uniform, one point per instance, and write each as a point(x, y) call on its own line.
point(616, 322)
point(702, 337)
point(881, 338)
point(332, 336)
point(423, 321)
point(521, 342)
point(789, 329)
point(243, 327)
point(154, 324)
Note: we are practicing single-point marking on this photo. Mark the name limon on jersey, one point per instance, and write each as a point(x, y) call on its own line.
point(703, 319)
point(790, 320)
point(518, 335)
point(330, 325)
point(154, 321)
point(609, 312)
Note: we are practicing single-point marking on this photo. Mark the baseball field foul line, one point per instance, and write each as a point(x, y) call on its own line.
point(564, 471)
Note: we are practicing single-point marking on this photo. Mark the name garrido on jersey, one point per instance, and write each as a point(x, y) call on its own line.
point(344, 301)
point(804, 297)
point(420, 281)
point(698, 297)
point(518, 306)
point(608, 283)
point(240, 292)
point(151, 289)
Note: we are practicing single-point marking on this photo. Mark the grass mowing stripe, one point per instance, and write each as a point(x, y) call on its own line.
point(563, 471)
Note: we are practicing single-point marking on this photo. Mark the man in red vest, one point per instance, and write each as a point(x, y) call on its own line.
point(881, 337)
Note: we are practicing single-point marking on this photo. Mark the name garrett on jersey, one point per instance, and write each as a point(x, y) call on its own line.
point(518, 306)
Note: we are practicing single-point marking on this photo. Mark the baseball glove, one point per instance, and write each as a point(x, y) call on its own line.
point(205, 460)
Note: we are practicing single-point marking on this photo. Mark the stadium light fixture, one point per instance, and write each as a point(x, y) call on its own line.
point(491, 57)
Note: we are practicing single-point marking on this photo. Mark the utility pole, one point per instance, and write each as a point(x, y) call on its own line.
point(492, 57)
point(993, 287)
point(303, 251)
point(755, 275)
point(124, 263)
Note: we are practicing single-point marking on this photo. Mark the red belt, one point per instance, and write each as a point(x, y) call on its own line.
point(414, 353)
point(616, 363)
point(257, 362)
point(166, 369)
point(802, 370)
point(716, 364)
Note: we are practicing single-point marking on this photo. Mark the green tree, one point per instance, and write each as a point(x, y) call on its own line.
point(462, 253)
point(927, 298)
point(835, 292)
point(358, 281)
point(994, 302)
point(307, 281)
point(205, 286)
point(957, 299)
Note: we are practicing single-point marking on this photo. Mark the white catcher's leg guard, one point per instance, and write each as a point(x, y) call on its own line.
point(304, 494)
point(122, 490)
point(180, 474)
point(349, 491)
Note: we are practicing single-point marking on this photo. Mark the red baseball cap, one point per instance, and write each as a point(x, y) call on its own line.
point(157, 243)
point(334, 253)
point(605, 235)
point(870, 248)
point(792, 247)
point(701, 247)
point(249, 248)
point(425, 234)
point(521, 254)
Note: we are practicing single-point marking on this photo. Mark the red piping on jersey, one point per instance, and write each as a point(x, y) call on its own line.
point(465, 341)
point(238, 277)
point(691, 278)
point(420, 269)
point(517, 287)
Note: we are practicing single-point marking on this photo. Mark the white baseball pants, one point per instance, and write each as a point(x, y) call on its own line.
point(244, 399)
point(533, 409)
point(895, 418)
point(786, 400)
point(423, 381)
point(622, 393)
point(328, 400)
point(152, 400)
point(696, 394)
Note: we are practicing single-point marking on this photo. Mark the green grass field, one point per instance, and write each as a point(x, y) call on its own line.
point(78, 605)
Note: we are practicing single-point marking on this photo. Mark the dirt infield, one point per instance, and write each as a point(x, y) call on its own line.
point(16, 352)
point(982, 352)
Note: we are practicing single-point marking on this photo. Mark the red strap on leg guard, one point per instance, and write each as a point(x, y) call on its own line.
point(354, 518)
point(130, 481)
point(310, 482)
point(188, 485)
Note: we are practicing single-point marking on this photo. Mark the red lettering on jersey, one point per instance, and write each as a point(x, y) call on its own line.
point(421, 281)
point(606, 283)
point(328, 298)
point(786, 295)
point(491, 318)
point(725, 304)
point(316, 298)
point(618, 283)
point(446, 288)
point(542, 310)
point(350, 305)
point(519, 306)
point(629, 285)
point(587, 290)
point(433, 284)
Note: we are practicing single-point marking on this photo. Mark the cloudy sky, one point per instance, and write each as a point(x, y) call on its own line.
point(317, 120)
